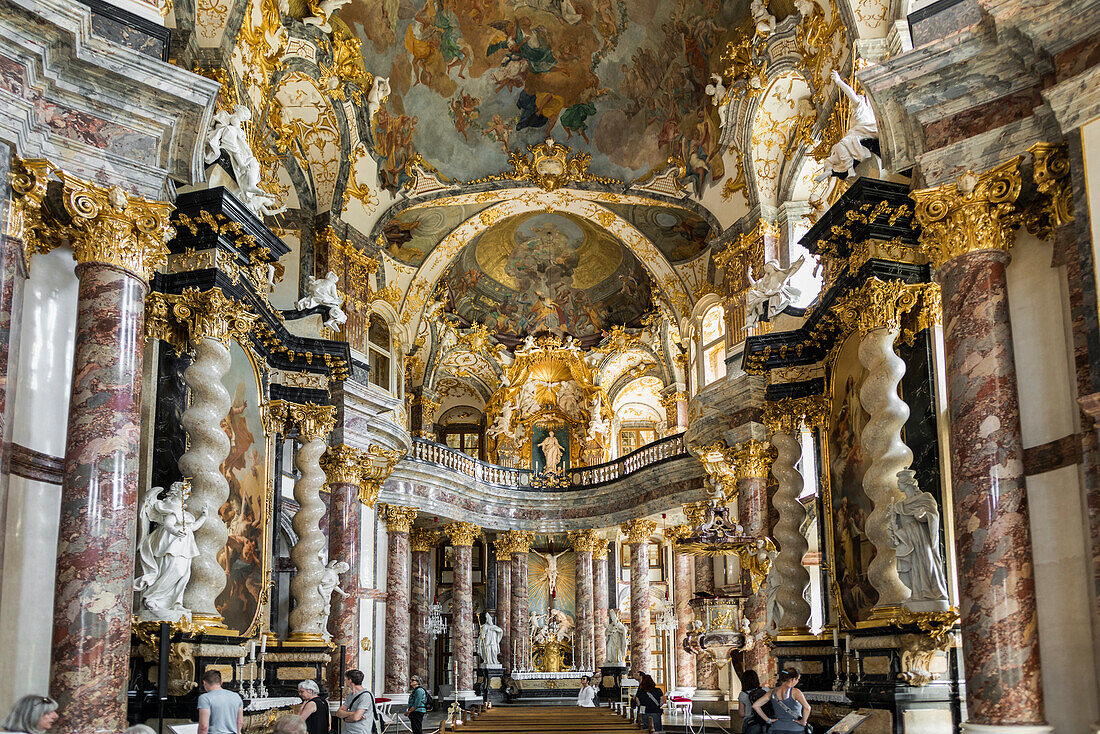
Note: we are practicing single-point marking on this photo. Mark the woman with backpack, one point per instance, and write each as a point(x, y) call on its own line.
point(651, 700)
point(751, 690)
point(791, 711)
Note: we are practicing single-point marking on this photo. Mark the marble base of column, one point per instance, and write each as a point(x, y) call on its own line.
point(96, 533)
point(344, 533)
point(1006, 729)
point(396, 681)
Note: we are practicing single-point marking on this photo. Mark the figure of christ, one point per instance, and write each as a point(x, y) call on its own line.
point(551, 451)
point(551, 569)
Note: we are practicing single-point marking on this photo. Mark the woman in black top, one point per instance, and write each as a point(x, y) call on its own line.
point(314, 708)
point(650, 700)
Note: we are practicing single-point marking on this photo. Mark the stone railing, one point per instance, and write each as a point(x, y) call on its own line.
point(648, 455)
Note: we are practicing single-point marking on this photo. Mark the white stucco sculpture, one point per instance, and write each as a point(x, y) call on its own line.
point(379, 91)
point(502, 425)
point(765, 21)
point(598, 425)
point(914, 528)
point(772, 607)
point(770, 293)
point(616, 639)
point(716, 90)
point(165, 554)
point(227, 135)
point(322, 292)
point(850, 150)
point(551, 452)
point(330, 582)
point(488, 643)
point(570, 398)
point(324, 11)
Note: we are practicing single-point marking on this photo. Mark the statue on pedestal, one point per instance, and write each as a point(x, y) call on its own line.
point(914, 528)
point(165, 554)
point(322, 292)
point(228, 135)
point(488, 643)
point(551, 452)
point(616, 639)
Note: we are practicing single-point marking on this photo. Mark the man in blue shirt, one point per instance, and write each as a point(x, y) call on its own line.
point(418, 705)
point(220, 711)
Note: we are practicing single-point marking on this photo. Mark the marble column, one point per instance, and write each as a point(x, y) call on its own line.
point(520, 542)
point(343, 469)
point(117, 241)
point(637, 533)
point(584, 543)
point(682, 573)
point(706, 670)
point(504, 598)
point(599, 602)
point(463, 535)
point(752, 464)
point(967, 231)
point(312, 423)
point(791, 576)
point(399, 521)
point(421, 542)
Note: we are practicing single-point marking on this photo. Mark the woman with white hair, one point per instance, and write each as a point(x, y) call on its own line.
point(31, 715)
point(289, 724)
point(314, 711)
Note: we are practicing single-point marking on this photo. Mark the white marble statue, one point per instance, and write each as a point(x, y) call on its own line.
point(772, 607)
point(528, 398)
point(551, 452)
point(165, 555)
point(598, 425)
point(770, 293)
point(502, 426)
point(765, 21)
point(379, 91)
point(805, 8)
point(330, 582)
point(488, 643)
point(616, 639)
point(228, 135)
point(324, 11)
point(716, 90)
point(850, 150)
point(560, 623)
point(322, 292)
point(914, 527)
point(551, 568)
point(569, 399)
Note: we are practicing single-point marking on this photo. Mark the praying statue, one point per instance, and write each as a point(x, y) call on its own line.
point(551, 452)
point(165, 553)
point(322, 292)
point(771, 292)
point(330, 582)
point(616, 639)
point(914, 528)
point(850, 149)
point(488, 643)
point(551, 569)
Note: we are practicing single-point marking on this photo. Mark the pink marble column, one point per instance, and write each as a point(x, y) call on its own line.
point(706, 671)
point(521, 628)
point(637, 534)
point(462, 536)
point(504, 604)
point(992, 525)
point(95, 549)
point(399, 522)
point(681, 595)
point(599, 602)
point(753, 463)
point(341, 466)
point(583, 543)
point(421, 541)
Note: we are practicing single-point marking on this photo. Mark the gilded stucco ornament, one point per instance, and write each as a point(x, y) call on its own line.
point(1053, 204)
point(514, 541)
point(311, 420)
point(977, 212)
point(398, 519)
point(342, 465)
point(756, 560)
point(462, 533)
point(586, 541)
point(550, 165)
point(718, 461)
point(377, 465)
point(789, 415)
point(892, 304)
point(753, 459)
point(638, 530)
point(424, 539)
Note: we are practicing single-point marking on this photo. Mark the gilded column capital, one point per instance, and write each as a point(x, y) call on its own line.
point(342, 464)
point(717, 460)
point(26, 218)
point(423, 539)
point(516, 541)
point(462, 533)
point(696, 512)
point(312, 421)
point(977, 212)
point(398, 519)
point(111, 227)
point(585, 541)
point(676, 532)
point(211, 314)
point(753, 459)
point(1053, 204)
point(789, 415)
point(891, 304)
point(599, 551)
point(376, 466)
point(638, 530)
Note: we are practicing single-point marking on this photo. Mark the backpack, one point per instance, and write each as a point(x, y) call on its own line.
point(755, 695)
point(429, 702)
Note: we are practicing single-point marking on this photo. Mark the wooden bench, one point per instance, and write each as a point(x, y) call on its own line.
point(543, 720)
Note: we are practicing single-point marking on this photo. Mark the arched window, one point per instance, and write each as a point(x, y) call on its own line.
point(380, 354)
point(713, 345)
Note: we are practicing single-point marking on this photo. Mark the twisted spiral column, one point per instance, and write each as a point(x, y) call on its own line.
point(888, 454)
point(792, 575)
point(207, 448)
point(307, 619)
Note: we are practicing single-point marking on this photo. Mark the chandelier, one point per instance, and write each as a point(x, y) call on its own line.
point(666, 619)
point(437, 625)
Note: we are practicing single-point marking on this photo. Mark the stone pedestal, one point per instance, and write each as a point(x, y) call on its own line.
point(399, 522)
point(637, 534)
point(489, 684)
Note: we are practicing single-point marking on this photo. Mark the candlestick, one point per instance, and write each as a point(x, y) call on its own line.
point(836, 639)
point(252, 650)
point(848, 644)
point(263, 645)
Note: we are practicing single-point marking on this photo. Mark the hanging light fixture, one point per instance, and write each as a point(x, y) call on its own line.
point(437, 625)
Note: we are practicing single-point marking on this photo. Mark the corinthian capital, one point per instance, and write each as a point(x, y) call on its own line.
point(638, 530)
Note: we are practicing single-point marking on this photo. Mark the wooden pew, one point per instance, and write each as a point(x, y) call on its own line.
point(544, 720)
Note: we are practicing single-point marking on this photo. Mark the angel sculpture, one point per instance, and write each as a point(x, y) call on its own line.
point(503, 423)
point(165, 554)
point(569, 399)
point(330, 582)
point(765, 21)
point(228, 135)
point(770, 293)
point(322, 292)
point(379, 91)
point(716, 90)
point(323, 12)
point(850, 149)
point(551, 567)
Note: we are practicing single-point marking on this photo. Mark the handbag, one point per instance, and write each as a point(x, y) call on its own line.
point(376, 715)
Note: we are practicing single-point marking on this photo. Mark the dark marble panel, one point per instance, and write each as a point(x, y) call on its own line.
point(170, 440)
point(1062, 452)
point(129, 30)
point(941, 19)
point(977, 120)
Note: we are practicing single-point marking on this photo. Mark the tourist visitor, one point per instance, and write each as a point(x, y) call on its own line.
point(355, 711)
point(650, 701)
point(289, 724)
point(586, 697)
point(314, 709)
point(220, 711)
point(418, 705)
point(31, 714)
point(751, 690)
point(790, 708)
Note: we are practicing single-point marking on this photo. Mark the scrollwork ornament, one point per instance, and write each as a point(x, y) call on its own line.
point(585, 541)
point(790, 415)
point(376, 466)
point(211, 314)
point(1053, 204)
point(753, 459)
point(423, 539)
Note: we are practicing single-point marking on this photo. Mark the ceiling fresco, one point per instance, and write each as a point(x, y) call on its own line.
point(544, 271)
point(679, 234)
point(473, 79)
point(411, 234)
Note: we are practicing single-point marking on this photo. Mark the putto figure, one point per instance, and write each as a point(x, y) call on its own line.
point(322, 292)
